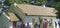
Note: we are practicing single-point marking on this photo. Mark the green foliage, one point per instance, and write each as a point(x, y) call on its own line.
point(0, 3)
point(9, 2)
point(56, 5)
point(14, 1)
point(37, 2)
point(57, 0)
point(6, 2)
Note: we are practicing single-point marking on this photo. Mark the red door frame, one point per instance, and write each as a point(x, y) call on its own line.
point(14, 24)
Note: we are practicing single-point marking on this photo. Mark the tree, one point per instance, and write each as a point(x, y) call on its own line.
point(57, 0)
point(0, 3)
point(10, 2)
point(7, 3)
point(38, 2)
point(56, 5)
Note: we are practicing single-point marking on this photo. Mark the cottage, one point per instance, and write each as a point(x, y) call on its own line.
point(32, 13)
point(26, 13)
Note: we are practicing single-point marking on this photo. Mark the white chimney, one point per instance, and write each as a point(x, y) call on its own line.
point(15, 4)
point(43, 5)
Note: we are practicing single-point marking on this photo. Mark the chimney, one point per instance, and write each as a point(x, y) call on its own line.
point(15, 4)
point(43, 5)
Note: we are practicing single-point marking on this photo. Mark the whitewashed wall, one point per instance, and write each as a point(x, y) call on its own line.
point(10, 24)
point(29, 19)
point(4, 22)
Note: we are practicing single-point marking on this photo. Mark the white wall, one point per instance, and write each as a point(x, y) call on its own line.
point(10, 24)
point(29, 19)
point(4, 22)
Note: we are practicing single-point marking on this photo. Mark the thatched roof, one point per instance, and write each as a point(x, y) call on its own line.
point(12, 17)
point(36, 10)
